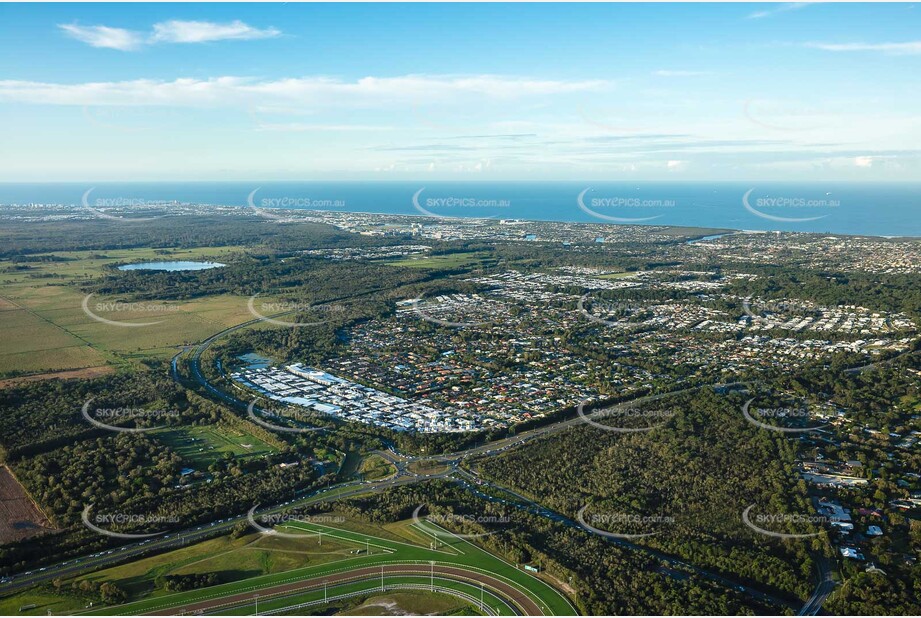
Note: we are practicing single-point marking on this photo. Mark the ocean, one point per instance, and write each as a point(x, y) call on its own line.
point(878, 209)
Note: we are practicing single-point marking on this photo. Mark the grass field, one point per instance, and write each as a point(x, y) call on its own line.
point(618, 275)
point(45, 329)
point(411, 603)
point(200, 446)
point(375, 467)
point(451, 260)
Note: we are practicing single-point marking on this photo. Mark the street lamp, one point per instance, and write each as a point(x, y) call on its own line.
point(256, 597)
point(432, 562)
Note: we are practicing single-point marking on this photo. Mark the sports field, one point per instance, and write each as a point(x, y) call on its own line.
point(201, 446)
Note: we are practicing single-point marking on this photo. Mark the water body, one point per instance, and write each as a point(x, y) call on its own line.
point(176, 266)
point(255, 361)
point(874, 209)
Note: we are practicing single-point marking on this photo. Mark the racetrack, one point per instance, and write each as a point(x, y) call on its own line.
point(513, 596)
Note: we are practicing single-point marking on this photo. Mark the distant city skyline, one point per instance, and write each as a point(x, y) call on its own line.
point(684, 92)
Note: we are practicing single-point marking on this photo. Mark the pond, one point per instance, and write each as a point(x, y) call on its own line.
point(172, 266)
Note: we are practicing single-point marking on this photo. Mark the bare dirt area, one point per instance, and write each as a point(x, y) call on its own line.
point(20, 518)
point(75, 374)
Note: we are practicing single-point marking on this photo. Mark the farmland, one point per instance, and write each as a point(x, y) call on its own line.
point(46, 328)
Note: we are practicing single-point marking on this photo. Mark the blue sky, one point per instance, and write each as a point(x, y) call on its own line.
point(793, 91)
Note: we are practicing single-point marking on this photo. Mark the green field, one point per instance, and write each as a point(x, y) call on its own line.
point(203, 445)
point(450, 260)
point(375, 467)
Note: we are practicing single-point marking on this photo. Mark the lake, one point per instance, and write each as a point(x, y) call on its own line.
point(176, 266)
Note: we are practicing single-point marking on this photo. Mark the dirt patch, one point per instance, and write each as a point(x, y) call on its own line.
point(20, 518)
point(75, 374)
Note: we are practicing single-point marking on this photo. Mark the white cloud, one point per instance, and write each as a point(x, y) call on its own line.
point(103, 36)
point(908, 47)
point(782, 8)
point(863, 161)
point(231, 91)
point(675, 165)
point(178, 31)
point(172, 31)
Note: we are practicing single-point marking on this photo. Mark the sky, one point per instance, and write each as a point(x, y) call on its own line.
point(674, 92)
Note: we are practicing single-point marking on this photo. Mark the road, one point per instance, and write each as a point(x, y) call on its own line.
point(826, 584)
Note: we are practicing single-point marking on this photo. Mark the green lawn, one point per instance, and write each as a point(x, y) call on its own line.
point(450, 260)
point(203, 445)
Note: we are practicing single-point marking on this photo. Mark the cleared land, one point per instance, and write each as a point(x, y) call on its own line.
point(19, 517)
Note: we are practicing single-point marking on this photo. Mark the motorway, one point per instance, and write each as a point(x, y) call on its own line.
point(402, 476)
